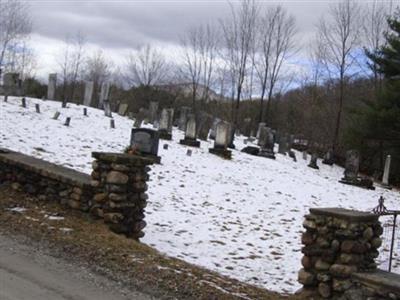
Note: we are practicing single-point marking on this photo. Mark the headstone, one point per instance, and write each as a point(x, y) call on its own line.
point(292, 155)
point(183, 117)
point(153, 110)
point(104, 94)
point(52, 86)
point(204, 126)
point(351, 170)
point(213, 131)
point(252, 150)
point(222, 132)
point(386, 171)
point(328, 158)
point(266, 142)
point(67, 121)
point(5, 98)
point(247, 127)
point(352, 166)
point(305, 155)
point(123, 108)
point(313, 161)
point(291, 141)
point(282, 145)
point(189, 152)
point(260, 125)
point(107, 108)
point(37, 108)
point(138, 122)
point(20, 88)
point(56, 115)
point(190, 133)
point(85, 111)
point(165, 146)
point(145, 141)
point(23, 102)
point(232, 131)
point(112, 123)
point(165, 128)
point(87, 99)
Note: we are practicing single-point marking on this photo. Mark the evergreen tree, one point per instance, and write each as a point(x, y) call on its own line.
point(382, 117)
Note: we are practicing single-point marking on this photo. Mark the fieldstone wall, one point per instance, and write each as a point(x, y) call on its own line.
point(119, 181)
point(115, 191)
point(337, 243)
point(46, 180)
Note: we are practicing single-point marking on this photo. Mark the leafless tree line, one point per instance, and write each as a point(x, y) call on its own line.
point(248, 55)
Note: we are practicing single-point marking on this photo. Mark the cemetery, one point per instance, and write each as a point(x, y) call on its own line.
point(203, 150)
point(242, 218)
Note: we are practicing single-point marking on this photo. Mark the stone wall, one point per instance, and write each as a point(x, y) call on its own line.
point(120, 185)
point(337, 243)
point(115, 191)
point(340, 248)
point(46, 180)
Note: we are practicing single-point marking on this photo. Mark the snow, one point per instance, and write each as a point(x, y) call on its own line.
point(17, 209)
point(242, 218)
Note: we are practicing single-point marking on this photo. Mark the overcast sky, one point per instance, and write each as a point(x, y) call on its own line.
point(118, 26)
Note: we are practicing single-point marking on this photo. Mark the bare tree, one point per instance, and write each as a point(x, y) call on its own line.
point(239, 31)
point(147, 67)
point(70, 65)
point(21, 59)
point(275, 43)
point(373, 28)
point(339, 37)
point(15, 26)
point(199, 46)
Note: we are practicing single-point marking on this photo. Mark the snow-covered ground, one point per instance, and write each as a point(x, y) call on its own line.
point(242, 218)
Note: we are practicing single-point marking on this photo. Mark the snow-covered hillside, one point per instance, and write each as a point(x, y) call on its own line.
point(242, 218)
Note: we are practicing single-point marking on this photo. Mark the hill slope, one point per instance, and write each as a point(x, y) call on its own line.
point(242, 218)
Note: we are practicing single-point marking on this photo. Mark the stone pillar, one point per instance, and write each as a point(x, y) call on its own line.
point(120, 185)
point(190, 133)
point(87, 100)
point(386, 171)
point(337, 243)
point(51, 88)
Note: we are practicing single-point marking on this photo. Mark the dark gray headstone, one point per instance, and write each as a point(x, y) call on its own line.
point(313, 161)
point(37, 108)
point(107, 108)
point(145, 140)
point(67, 121)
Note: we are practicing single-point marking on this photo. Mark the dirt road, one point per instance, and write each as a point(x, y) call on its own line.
point(28, 273)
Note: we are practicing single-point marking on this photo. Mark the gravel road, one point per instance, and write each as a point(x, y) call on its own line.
point(28, 273)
